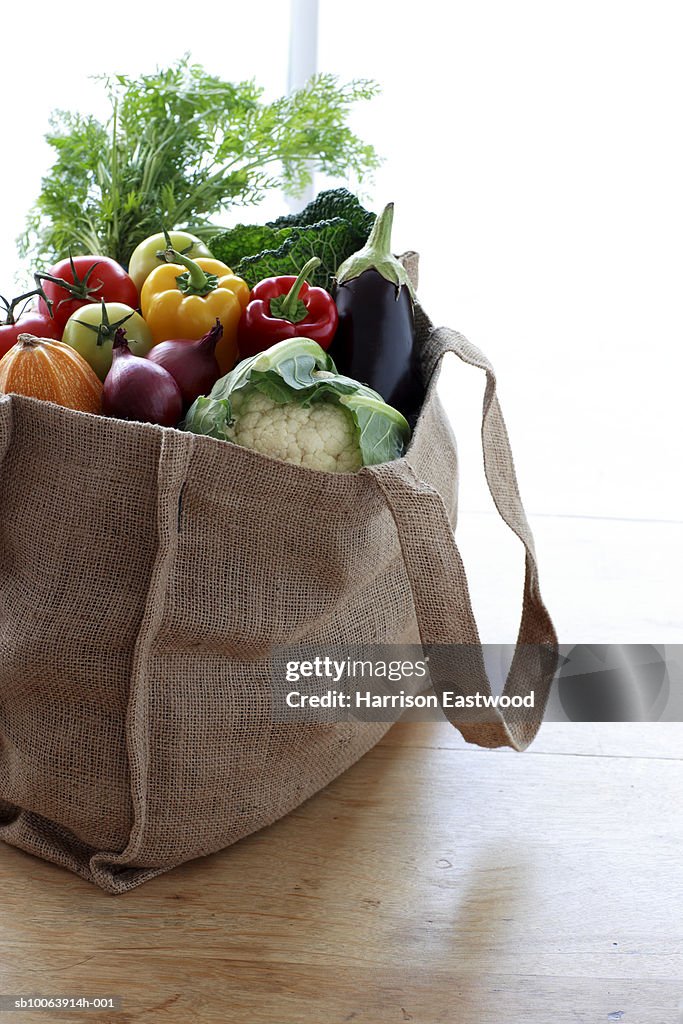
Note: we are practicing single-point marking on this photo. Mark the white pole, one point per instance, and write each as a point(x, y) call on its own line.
point(303, 61)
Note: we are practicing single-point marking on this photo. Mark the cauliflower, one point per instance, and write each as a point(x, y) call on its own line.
point(289, 402)
point(320, 436)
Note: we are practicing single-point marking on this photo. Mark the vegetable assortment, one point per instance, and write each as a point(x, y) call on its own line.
point(181, 334)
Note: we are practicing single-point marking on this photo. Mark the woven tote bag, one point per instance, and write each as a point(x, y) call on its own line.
point(146, 575)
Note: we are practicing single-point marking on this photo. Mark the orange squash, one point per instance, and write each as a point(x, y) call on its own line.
point(51, 371)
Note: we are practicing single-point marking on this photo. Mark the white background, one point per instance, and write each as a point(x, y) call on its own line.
point(534, 152)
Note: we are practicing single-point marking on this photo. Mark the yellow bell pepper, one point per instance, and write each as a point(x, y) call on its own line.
point(181, 299)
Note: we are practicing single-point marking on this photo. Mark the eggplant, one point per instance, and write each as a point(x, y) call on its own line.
point(375, 339)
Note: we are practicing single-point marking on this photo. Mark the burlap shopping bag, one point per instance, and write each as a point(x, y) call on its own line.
point(145, 576)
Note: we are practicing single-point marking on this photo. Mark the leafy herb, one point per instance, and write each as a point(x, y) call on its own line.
point(332, 227)
point(181, 146)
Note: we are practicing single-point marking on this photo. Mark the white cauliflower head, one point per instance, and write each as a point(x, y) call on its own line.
point(320, 436)
point(289, 402)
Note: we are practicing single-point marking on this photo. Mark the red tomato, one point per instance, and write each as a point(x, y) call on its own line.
point(31, 322)
point(77, 282)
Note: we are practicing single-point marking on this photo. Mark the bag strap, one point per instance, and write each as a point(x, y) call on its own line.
point(114, 871)
point(443, 607)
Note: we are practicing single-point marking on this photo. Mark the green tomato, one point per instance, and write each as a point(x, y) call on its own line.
point(144, 259)
point(91, 332)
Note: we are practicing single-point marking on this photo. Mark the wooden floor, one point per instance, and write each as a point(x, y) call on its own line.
point(433, 882)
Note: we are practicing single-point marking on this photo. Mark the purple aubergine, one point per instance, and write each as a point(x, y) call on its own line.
point(375, 340)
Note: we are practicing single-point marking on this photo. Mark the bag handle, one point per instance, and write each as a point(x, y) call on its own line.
point(443, 608)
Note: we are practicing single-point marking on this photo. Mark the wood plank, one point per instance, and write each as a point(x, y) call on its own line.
point(446, 884)
point(606, 739)
point(215, 991)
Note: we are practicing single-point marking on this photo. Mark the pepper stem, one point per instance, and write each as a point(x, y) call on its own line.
point(290, 306)
point(195, 281)
point(288, 309)
point(162, 254)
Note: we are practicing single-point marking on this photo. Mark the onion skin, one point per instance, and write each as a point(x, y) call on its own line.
point(192, 364)
point(137, 389)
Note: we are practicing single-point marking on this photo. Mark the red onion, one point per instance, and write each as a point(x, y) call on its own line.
point(136, 389)
point(192, 364)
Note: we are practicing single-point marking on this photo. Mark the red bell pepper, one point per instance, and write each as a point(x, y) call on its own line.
point(286, 307)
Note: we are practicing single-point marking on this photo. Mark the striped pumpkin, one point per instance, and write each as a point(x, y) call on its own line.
point(51, 371)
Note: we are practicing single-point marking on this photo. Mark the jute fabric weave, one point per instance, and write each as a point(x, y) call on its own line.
point(145, 576)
